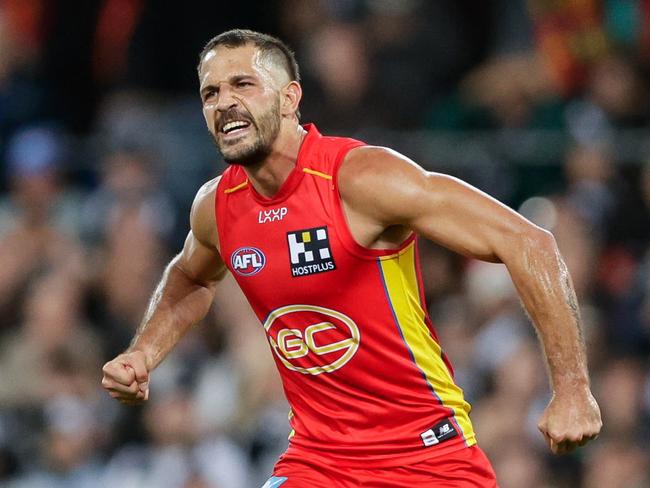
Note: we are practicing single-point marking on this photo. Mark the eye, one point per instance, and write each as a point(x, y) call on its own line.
point(243, 84)
point(209, 94)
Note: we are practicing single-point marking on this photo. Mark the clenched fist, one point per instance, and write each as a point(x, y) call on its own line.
point(127, 378)
point(571, 419)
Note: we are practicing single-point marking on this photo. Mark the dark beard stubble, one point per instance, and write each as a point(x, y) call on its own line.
point(268, 128)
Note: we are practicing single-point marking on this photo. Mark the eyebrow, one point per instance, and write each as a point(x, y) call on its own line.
point(232, 80)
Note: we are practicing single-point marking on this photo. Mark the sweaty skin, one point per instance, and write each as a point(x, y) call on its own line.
point(385, 197)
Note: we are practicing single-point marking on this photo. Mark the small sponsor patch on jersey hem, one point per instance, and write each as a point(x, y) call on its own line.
point(442, 431)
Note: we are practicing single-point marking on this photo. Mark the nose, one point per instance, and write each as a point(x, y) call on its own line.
point(226, 100)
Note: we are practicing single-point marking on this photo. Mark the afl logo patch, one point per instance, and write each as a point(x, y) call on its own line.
point(247, 261)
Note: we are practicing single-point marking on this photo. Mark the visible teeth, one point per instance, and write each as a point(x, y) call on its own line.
point(237, 124)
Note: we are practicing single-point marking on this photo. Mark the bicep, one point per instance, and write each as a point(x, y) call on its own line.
point(200, 262)
point(200, 259)
point(390, 189)
point(463, 218)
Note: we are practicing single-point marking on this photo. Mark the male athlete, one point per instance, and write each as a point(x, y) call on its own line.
point(319, 232)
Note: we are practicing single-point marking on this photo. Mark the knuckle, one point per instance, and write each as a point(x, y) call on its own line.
point(574, 436)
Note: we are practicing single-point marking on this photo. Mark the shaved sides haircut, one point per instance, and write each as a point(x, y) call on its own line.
point(271, 47)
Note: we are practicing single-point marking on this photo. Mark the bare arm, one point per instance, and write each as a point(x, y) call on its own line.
point(383, 191)
point(181, 299)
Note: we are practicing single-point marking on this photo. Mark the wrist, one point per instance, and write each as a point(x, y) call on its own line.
point(148, 355)
point(571, 386)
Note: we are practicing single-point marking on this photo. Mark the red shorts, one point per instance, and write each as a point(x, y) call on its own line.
point(465, 468)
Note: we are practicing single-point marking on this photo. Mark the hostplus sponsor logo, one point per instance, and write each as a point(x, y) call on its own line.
point(310, 252)
point(247, 261)
point(272, 215)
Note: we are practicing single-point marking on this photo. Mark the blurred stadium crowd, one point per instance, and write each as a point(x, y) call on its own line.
point(544, 104)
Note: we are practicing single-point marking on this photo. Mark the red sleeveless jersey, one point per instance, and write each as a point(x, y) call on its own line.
point(360, 362)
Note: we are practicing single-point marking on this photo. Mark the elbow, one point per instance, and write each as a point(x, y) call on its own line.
point(539, 250)
point(530, 243)
point(177, 269)
point(542, 239)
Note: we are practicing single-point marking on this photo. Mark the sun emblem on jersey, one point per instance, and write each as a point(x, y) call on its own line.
point(310, 339)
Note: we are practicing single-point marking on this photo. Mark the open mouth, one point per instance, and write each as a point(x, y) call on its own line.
point(235, 127)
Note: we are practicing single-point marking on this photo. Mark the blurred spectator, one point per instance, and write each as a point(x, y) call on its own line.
point(629, 226)
point(623, 379)
point(20, 93)
point(517, 465)
point(509, 91)
point(39, 219)
point(579, 247)
point(397, 32)
point(53, 326)
point(38, 194)
point(616, 96)
point(616, 463)
point(337, 95)
point(617, 86)
point(129, 183)
point(623, 269)
point(172, 136)
point(177, 456)
point(127, 222)
point(589, 173)
point(69, 456)
point(569, 36)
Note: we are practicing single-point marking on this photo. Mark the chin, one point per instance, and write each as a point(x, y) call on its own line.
point(245, 156)
point(236, 152)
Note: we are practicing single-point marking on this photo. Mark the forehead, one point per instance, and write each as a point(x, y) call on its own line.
point(223, 62)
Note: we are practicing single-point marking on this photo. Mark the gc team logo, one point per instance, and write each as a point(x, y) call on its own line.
point(311, 339)
point(247, 261)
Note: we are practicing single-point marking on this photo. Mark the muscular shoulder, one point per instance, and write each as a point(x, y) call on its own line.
point(382, 183)
point(202, 215)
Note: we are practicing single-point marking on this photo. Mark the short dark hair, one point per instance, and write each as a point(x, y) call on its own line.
point(270, 46)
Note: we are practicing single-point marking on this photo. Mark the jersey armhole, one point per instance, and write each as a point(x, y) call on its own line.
point(219, 215)
point(341, 221)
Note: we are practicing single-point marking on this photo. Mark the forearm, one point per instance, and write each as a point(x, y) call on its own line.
point(177, 303)
point(544, 285)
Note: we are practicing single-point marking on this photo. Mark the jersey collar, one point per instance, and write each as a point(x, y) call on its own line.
point(296, 175)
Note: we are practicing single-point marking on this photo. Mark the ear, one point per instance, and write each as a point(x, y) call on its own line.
point(291, 95)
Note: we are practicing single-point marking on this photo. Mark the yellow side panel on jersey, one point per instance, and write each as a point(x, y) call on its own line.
point(400, 279)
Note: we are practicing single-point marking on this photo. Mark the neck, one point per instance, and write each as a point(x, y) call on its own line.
point(268, 176)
